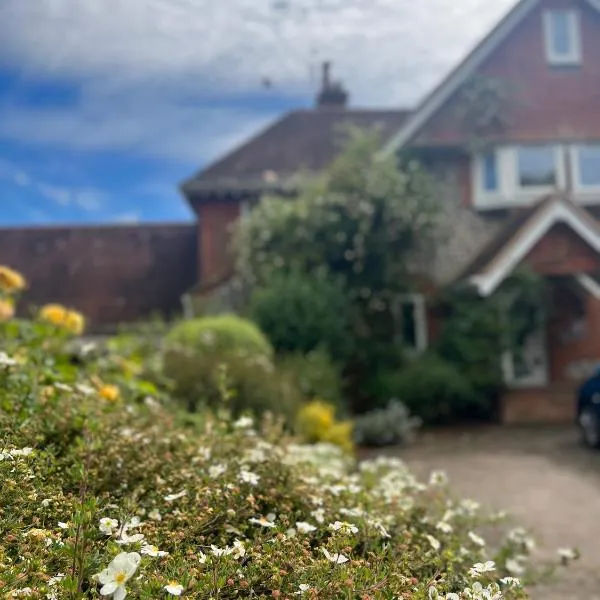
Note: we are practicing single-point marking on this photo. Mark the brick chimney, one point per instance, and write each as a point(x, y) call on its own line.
point(332, 93)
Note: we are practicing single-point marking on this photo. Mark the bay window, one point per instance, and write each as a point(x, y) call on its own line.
point(585, 166)
point(537, 167)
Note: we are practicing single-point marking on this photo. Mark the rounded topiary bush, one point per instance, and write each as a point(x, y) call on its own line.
point(223, 334)
point(226, 360)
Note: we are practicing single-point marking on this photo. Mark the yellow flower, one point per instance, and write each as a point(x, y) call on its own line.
point(110, 393)
point(61, 316)
point(10, 280)
point(340, 434)
point(315, 419)
point(7, 310)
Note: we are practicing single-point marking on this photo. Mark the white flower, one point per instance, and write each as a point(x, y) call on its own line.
point(435, 544)
point(86, 390)
point(63, 525)
point(108, 525)
point(249, 477)
point(202, 558)
point(56, 579)
point(343, 527)
point(7, 361)
point(221, 551)
point(238, 549)
point(244, 423)
point(318, 515)
point(21, 452)
point(444, 527)
point(302, 589)
point(118, 573)
point(155, 515)
point(263, 521)
point(26, 591)
point(479, 568)
point(153, 551)
point(515, 565)
point(304, 527)
point(511, 581)
point(46, 502)
point(476, 539)
point(216, 471)
point(567, 554)
point(172, 497)
point(174, 588)
point(438, 478)
point(338, 559)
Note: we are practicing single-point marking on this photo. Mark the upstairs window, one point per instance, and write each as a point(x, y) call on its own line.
point(586, 167)
point(537, 167)
point(562, 32)
point(489, 172)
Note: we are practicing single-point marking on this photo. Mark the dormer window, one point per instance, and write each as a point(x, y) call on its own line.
point(562, 32)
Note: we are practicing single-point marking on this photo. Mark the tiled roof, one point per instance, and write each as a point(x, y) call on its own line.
point(301, 140)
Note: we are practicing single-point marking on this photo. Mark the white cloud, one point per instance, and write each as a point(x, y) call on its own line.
point(128, 218)
point(87, 199)
point(153, 73)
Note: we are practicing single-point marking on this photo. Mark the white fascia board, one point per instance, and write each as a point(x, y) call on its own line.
point(557, 212)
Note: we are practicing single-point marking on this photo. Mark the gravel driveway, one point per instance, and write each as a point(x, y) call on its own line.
point(541, 476)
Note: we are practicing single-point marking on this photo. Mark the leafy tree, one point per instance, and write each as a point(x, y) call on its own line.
point(361, 223)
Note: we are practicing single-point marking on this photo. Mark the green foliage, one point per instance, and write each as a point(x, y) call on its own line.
point(389, 426)
point(222, 508)
point(300, 313)
point(477, 331)
point(360, 224)
point(226, 335)
point(314, 374)
point(434, 390)
point(226, 361)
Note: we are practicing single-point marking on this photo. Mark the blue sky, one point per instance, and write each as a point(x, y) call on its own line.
point(106, 105)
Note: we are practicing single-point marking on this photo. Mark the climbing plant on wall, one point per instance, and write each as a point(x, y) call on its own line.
point(476, 332)
point(483, 110)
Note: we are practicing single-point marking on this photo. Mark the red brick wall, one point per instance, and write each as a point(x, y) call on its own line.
point(539, 406)
point(215, 221)
point(112, 274)
point(546, 103)
point(562, 252)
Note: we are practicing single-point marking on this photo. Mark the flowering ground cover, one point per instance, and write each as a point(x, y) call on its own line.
point(110, 490)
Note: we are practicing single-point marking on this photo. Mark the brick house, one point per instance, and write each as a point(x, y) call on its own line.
point(512, 137)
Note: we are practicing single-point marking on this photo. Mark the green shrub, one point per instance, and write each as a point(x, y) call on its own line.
point(226, 360)
point(315, 375)
point(217, 509)
point(299, 313)
point(389, 426)
point(434, 390)
point(226, 335)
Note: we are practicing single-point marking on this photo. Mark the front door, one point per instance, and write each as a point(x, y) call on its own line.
point(530, 368)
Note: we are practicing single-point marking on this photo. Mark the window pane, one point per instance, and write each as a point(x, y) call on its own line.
point(409, 324)
point(562, 34)
point(537, 167)
point(490, 172)
point(589, 165)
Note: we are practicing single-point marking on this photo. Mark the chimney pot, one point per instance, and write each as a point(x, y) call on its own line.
point(332, 93)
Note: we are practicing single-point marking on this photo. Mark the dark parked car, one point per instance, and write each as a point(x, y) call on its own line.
point(588, 411)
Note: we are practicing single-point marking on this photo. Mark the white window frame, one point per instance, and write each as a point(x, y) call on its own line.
point(578, 186)
point(539, 190)
point(555, 59)
point(420, 314)
point(510, 192)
